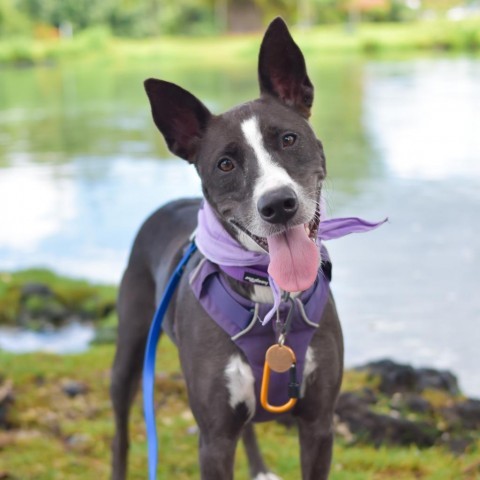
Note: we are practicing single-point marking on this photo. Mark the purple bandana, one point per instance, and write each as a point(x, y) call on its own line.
point(218, 246)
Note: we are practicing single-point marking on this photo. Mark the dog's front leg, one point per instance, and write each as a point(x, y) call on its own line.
point(217, 454)
point(220, 387)
point(220, 421)
point(316, 445)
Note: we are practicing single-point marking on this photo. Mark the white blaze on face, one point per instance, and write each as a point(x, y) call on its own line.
point(271, 175)
point(294, 258)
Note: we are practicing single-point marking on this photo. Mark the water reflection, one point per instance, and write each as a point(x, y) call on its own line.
point(79, 171)
point(424, 117)
point(417, 278)
point(78, 222)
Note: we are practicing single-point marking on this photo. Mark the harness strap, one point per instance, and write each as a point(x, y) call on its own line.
point(149, 361)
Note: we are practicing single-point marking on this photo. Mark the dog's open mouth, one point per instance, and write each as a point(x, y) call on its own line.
point(294, 257)
point(311, 229)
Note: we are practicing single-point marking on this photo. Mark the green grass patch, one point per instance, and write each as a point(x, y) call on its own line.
point(54, 436)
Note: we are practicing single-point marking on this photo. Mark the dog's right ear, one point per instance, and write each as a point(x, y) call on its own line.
point(282, 71)
point(180, 116)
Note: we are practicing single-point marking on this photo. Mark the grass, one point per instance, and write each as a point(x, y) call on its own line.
point(368, 38)
point(53, 436)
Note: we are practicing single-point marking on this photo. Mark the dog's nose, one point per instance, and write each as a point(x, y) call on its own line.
point(278, 206)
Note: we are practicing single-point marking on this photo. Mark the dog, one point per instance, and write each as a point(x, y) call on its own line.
point(261, 167)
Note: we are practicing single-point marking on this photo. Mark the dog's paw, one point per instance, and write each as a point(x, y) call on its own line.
point(267, 476)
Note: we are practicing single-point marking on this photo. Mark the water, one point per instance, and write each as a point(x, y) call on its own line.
point(81, 166)
point(73, 338)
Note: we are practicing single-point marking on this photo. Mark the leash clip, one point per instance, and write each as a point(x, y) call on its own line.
point(280, 359)
point(284, 327)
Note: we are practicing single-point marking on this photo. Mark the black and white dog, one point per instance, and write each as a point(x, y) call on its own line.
point(261, 168)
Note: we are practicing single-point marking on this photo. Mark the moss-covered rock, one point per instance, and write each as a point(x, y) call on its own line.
point(404, 405)
point(39, 299)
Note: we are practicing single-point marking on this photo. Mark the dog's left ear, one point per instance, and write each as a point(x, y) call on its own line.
point(179, 115)
point(282, 71)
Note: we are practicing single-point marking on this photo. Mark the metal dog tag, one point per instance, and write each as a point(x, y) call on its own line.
point(279, 358)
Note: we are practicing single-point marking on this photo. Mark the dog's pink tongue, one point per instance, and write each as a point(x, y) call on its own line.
point(294, 259)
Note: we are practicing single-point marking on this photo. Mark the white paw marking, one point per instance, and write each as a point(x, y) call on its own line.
point(240, 384)
point(267, 476)
point(308, 369)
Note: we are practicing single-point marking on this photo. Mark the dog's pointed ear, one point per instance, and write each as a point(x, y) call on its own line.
point(282, 71)
point(180, 116)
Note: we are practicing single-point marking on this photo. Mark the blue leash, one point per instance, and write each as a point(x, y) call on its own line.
point(149, 362)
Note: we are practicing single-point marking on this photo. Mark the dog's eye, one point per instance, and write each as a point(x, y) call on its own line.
point(289, 140)
point(225, 165)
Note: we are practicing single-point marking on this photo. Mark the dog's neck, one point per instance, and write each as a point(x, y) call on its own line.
point(254, 292)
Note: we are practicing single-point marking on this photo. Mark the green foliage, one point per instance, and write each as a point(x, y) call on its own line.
point(273, 8)
point(193, 17)
point(79, 13)
point(186, 17)
point(368, 38)
point(13, 21)
point(122, 17)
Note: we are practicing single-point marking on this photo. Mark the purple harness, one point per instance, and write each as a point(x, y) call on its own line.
point(246, 322)
point(241, 318)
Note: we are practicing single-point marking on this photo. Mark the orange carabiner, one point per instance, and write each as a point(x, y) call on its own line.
point(266, 382)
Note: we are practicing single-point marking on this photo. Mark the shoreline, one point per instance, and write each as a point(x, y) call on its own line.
point(368, 39)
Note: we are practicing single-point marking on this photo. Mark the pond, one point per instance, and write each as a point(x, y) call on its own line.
point(81, 166)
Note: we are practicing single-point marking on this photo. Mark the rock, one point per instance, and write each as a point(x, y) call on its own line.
point(464, 415)
point(418, 404)
point(6, 399)
point(7, 476)
point(443, 417)
point(437, 379)
point(73, 388)
point(459, 445)
point(374, 428)
point(41, 306)
point(32, 288)
point(352, 401)
point(411, 402)
point(396, 377)
point(393, 377)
